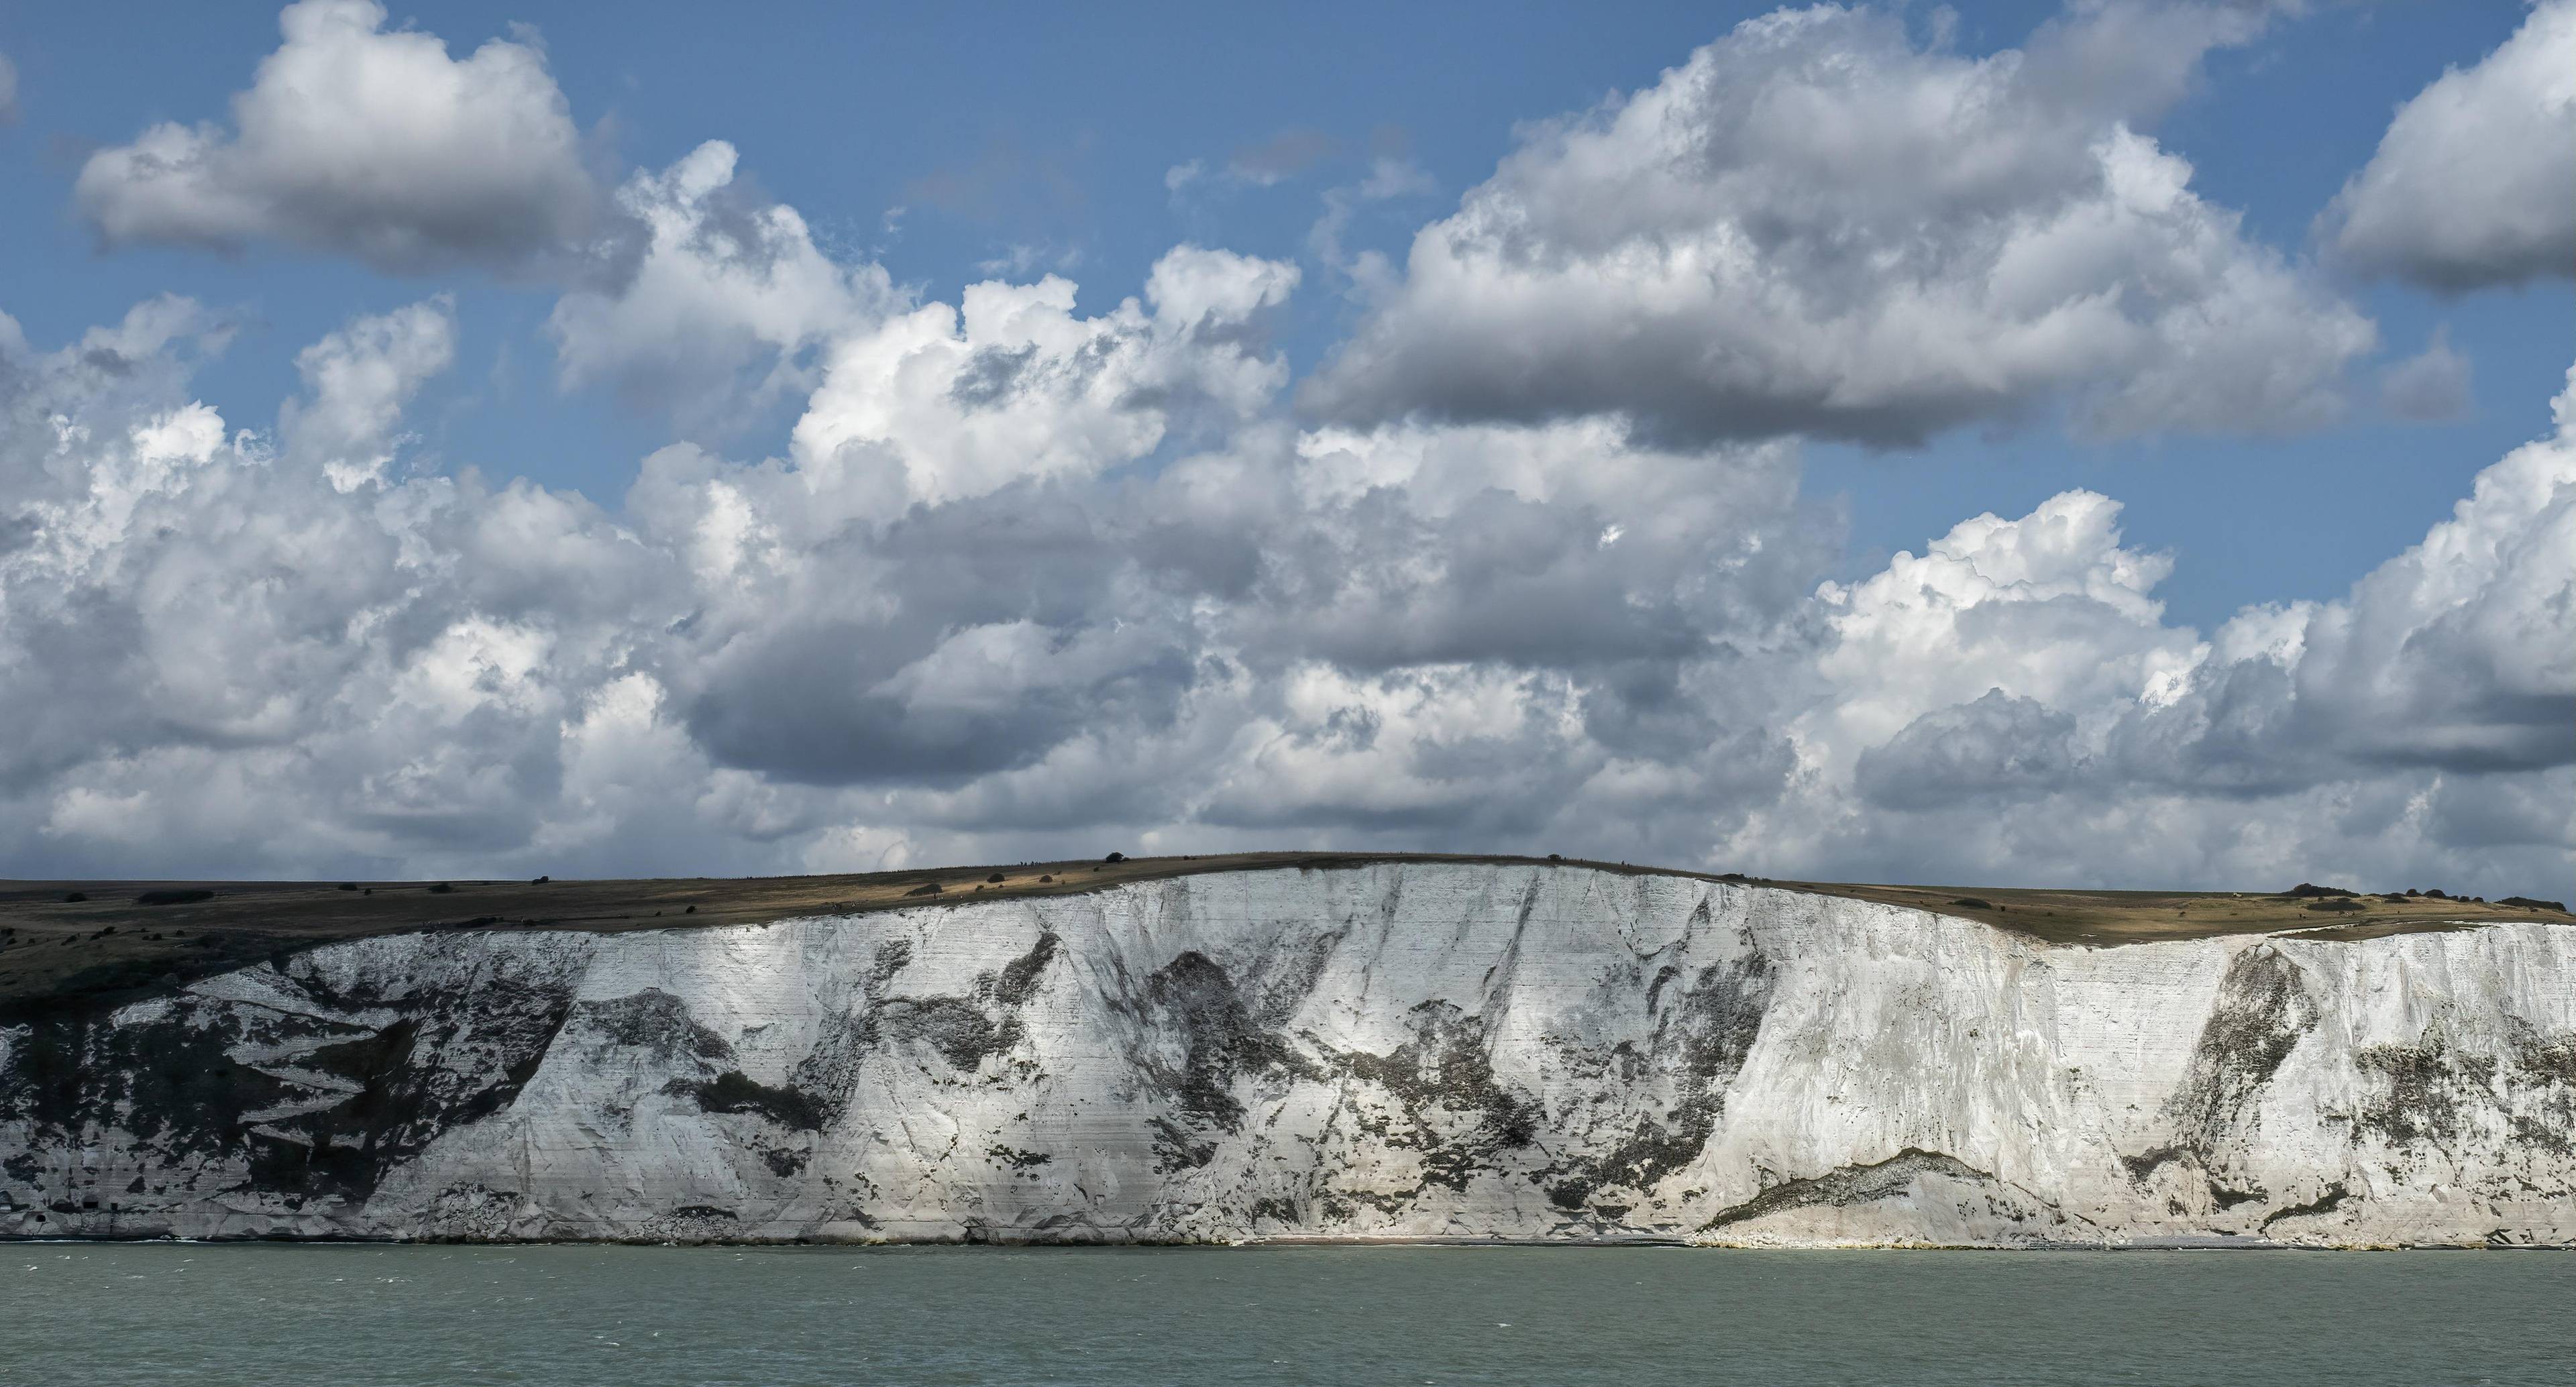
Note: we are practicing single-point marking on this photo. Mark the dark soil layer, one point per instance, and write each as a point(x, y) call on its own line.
point(94, 941)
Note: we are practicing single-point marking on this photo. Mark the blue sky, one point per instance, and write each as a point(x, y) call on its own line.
point(948, 146)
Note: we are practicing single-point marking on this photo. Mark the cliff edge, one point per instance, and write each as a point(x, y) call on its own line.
point(1389, 1049)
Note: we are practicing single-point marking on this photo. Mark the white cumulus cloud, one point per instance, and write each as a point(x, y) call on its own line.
point(1037, 574)
point(2013, 704)
point(359, 380)
point(1818, 226)
point(2475, 182)
point(727, 282)
point(361, 141)
point(1543, 637)
point(946, 402)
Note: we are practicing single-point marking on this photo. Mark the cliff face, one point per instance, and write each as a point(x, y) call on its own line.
point(1391, 1051)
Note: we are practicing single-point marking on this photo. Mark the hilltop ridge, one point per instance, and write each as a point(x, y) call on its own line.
point(82, 938)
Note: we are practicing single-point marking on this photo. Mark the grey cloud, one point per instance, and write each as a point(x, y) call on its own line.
point(2487, 813)
point(1282, 156)
point(2133, 59)
point(1996, 747)
point(76, 661)
point(1263, 164)
point(1509, 780)
point(1503, 579)
point(991, 374)
point(805, 707)
point(1532, 585)
point(1562, 548)
point(2234, 735)
point(1009, 181)
point(2432, 385)
point(995, 629)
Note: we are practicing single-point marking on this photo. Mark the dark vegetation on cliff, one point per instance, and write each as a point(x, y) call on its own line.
point(86, 943)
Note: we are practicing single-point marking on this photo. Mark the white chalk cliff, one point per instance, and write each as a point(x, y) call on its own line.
point(1389, 1051)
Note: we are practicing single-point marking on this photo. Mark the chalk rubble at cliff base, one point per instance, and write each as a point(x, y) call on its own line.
point(1389, 1051)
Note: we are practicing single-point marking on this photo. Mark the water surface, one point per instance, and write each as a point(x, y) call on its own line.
point(76, 1313)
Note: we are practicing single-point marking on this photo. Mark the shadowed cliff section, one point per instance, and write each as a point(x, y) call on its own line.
point(359, 1100)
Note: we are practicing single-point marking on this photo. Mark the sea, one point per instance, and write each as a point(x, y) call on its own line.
point(319, 1315)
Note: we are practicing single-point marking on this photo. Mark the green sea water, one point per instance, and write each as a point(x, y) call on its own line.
point(315, 1316)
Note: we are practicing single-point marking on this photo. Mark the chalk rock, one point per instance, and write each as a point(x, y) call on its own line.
point(1387, 1051)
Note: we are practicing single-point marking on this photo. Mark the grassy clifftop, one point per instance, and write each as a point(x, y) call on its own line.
point(95, 939)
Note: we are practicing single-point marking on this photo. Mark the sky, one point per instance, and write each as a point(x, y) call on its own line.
point(2116, 444)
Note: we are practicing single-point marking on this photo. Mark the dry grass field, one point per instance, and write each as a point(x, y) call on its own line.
point(2138, 917)
point(99, 940)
